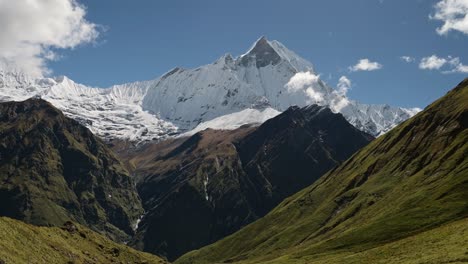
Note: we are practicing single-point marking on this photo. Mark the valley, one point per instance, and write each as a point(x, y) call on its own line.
point(151, 132)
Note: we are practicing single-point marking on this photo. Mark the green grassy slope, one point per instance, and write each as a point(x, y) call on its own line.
point(410, 180)
point(445, 244)
point(24, 243)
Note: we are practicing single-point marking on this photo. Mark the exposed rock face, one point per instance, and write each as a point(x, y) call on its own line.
point(52, 169)
point(261, 55)
point(199, 189)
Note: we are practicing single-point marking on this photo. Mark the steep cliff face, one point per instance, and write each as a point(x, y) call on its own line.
point(412, 179)
point(52, 169)
point(199, 189)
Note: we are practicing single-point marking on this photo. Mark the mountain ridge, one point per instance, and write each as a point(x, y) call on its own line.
point(182, 99)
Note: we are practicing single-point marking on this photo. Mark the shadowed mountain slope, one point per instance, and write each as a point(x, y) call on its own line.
point(52, 169)
point(199, 189)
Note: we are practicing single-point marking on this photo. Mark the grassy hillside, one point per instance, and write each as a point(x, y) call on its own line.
point(413, 179)
point(24, 243)
point(445, 244)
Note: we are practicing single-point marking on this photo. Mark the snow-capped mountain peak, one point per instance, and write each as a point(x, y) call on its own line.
point(230, 90)
point(261, 54)
point(265, 52)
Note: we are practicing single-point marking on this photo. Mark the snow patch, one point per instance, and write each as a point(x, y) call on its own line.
point(205, 186)
point(236, 120)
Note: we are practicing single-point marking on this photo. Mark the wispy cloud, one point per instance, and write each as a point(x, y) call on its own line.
point(407, 59)
point(453, 14)
point(340, 99)
point(457, 65)
point(344, 84)
point(32, 31)
point(448, 64)
point(366, 65)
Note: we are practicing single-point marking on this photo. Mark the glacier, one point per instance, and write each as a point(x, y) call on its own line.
point(226, 94)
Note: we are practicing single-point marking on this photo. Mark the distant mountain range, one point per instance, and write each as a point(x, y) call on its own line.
point(225, 94)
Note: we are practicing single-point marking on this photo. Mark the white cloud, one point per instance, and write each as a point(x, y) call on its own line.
point(366, 65)
point(457, 65)
point(432, 63)
point(337, 104)
point(461, 68)
point(451, 64)
point(308, 83)
point(407, 59)
point(344, 84)
point(32, 30)
point(315, 96)
point(453, 14)
point(301, 80)
point(340, 100)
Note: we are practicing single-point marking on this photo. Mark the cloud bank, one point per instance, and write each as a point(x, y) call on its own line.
point(453, 14)
point(366, 65)
point(32, 31)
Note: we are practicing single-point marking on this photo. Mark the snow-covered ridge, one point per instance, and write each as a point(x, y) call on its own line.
point(113, 112)
point(225, 95)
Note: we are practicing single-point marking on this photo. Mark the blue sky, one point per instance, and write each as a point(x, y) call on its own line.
point(142, 39)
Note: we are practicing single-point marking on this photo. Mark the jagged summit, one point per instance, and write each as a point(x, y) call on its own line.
point(183, 99)
point(262, 54)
